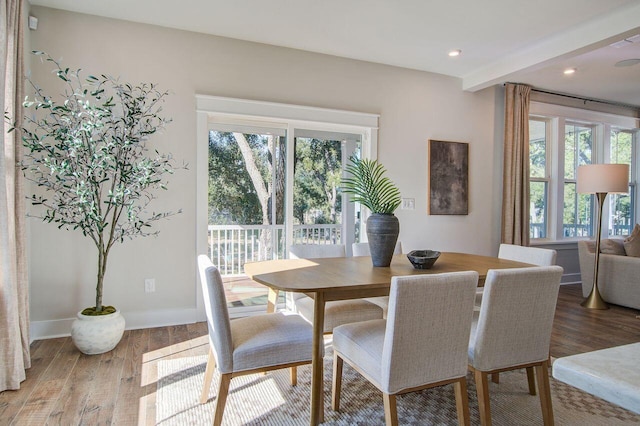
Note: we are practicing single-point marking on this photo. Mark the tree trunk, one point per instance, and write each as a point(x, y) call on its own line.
point(261, 188)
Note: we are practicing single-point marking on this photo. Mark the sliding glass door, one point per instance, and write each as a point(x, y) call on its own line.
point(248, 191)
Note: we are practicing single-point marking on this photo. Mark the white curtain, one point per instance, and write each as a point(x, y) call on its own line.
point(515, 180)
point(14, 284)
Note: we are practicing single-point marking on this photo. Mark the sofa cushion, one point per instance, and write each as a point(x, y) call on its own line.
point(632, 242)
point(613, 246)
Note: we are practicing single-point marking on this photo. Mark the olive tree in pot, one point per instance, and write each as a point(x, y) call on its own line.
point(86, 151)
point(369, 186)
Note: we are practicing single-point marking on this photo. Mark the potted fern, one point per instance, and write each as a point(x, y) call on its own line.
point(369, 186)
point(86, 152)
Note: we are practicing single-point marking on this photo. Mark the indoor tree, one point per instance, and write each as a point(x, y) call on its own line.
point(86, 151)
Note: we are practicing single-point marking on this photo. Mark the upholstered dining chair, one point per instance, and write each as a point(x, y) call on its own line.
point(362, 249)
point(422, 343)
point(336, 312)
point(533, 255)
point(247, 345)
point(513, 331)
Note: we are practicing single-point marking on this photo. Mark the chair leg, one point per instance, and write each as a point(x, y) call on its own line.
point(208, 375)
point(495, 378)
point(337, 382)
point(462, 401)
point(293, 376)
point(482, 388)
point(531, 379)
point(544, 389)
point(390, 409)
point(223, 391)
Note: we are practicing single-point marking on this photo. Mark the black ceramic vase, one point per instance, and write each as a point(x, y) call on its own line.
point(382, 232)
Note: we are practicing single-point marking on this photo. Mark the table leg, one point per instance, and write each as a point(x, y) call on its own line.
point(317, 378)
point(272, 300)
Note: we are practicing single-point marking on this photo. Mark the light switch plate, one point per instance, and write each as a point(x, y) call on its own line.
point(408, 204)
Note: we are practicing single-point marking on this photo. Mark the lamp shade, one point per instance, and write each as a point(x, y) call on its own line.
point(594, 178)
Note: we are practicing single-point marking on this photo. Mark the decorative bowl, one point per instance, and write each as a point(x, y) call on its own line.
point(423, 259)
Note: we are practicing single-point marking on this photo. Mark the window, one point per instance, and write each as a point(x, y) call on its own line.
point(622, 206)
point(578, 147)
point(561, 139)
point(538, 177)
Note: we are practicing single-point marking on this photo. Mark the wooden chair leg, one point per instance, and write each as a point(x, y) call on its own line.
point(495, 378)
point(293, 376)
point(482, 389)
point(462, 401)
point(337, 382)
point(544, 389)
point(531, 379)
point(223, 391)
point(208, 375)
point(390, 409)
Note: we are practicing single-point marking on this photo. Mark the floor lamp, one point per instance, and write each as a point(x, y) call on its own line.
point(601, 179)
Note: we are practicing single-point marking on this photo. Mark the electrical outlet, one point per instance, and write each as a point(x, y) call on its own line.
point(408, 204)
point(149, 285)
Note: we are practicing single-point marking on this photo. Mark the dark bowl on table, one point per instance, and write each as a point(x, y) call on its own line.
point(423, 259)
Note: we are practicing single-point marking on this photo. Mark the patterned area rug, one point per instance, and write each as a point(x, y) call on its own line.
point(270, 400)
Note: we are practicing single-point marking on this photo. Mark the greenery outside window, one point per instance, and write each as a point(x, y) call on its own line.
point(621, 206)
point(538, 177)
point(578, 151)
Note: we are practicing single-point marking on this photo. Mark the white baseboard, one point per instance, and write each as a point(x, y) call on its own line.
point(134, 320)
point(574, 278)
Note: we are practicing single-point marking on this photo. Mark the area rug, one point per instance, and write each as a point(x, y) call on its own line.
point(269, 399)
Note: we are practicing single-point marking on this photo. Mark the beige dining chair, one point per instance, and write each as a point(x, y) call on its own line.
point(335, 312)
point(422, 343)
point(513, 331)
point(533, 255)
point(362, 249)
point(247, 345)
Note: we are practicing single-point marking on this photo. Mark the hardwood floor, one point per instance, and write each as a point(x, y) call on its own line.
point(65, 387)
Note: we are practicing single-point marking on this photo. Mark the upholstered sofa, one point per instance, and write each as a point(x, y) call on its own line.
point(618, 275)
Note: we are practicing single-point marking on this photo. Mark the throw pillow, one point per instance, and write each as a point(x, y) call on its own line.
point(613, 246)
point(632, 242)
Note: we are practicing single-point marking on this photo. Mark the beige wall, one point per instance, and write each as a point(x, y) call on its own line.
point(413, 106)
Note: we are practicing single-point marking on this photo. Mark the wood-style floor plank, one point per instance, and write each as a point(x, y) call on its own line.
point(104, 392)
point(43, 398)
point(131, 391)
point(65, 387)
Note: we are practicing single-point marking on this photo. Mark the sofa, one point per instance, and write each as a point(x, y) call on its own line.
point(618, 275)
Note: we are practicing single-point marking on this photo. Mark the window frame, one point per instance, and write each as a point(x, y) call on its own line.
point(556, 117)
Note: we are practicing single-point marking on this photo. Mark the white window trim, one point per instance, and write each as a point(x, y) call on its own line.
point(557, 116)
point(274, 115)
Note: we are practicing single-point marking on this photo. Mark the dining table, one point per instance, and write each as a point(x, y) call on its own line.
point(343, 278)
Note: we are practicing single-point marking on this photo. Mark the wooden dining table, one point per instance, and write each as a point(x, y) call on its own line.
point(343, 278)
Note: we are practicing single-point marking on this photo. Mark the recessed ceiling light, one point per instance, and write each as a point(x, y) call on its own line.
point(569, 71)
point(456, 52)
point(627, 63)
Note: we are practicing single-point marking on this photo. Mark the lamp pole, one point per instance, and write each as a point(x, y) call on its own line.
point(594, 300)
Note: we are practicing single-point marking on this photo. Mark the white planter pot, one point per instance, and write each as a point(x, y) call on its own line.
point(94, 335)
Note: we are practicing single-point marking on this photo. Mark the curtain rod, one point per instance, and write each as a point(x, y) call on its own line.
point(585, 100)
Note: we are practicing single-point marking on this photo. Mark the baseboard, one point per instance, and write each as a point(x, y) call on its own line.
point(134, 320)
point(574, 278)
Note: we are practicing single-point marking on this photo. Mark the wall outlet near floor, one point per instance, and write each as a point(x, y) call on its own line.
point(408, 204)
point(149, 285)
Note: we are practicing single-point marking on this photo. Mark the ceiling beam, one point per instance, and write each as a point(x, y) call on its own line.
point(575, 41)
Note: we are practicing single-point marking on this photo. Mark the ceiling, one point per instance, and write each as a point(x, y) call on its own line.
point(501, 40)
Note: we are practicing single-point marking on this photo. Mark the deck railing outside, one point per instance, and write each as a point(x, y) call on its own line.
point(581, 230)
point(231, 246)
